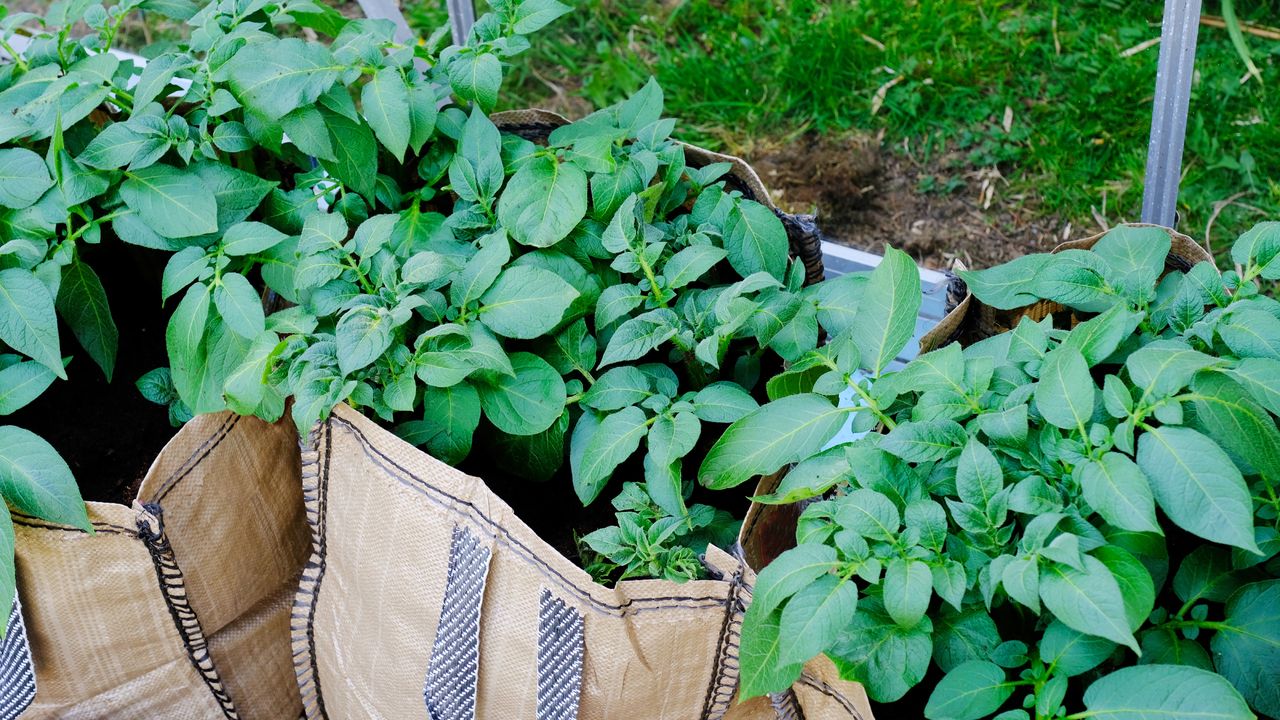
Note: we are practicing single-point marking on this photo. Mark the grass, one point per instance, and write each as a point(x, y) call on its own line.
point(738, 73)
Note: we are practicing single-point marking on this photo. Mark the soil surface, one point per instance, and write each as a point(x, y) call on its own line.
point(107, 432)
point(866, 195)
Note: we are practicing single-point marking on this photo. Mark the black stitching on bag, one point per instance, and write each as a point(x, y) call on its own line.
point(172, 586)
point(200, 454)
point(303, 615)
point(723, 683)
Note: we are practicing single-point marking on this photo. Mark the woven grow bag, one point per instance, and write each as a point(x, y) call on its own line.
point(176, 607)
point(426, 597)
point(971, 320)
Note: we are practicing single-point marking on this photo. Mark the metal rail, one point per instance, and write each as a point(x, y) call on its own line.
point(1178, 35)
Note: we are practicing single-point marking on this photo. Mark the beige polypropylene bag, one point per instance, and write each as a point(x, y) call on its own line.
point(426, 597)
point(177, 607)
point(971, 320)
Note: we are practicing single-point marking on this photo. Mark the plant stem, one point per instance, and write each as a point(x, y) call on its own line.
point(871, 405)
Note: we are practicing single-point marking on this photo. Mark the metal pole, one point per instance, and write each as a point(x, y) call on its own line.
point(462, 15)
point(1169, 111)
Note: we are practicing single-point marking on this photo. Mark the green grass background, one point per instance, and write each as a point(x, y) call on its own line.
point(741, 72)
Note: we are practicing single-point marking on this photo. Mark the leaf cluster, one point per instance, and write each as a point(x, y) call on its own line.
point(1050, 508)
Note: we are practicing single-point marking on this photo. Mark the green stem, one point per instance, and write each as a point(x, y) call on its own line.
point(871, 404)
point(22, 64)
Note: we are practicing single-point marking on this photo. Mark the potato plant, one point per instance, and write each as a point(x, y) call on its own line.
point(1046, 511)
point(563, 303)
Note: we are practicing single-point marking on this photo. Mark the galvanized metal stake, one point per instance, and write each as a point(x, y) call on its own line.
point(462, 15)
point(1178, 35)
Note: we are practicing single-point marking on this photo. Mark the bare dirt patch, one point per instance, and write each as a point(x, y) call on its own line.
point(866, 195)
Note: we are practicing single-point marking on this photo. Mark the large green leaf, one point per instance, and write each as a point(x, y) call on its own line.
point(543, 202)
point(925, 440)
point(908, 587)
point(762, 671)
point(971, 691)
point(27, 320)
point(1197, 485)
point(755, 240)
point(21, 382)
point(781, 432)
point(1227, 414)
point(1065, 394)
point(183, 340)
point(450, 418)
point(174, 203)
point(525, 402)
point(362, 335)
point(1247, 645)
point(814, 616)
point(476, 77)
point(23, 178)
point(1118, 490)
point(1136, 256)
point(886, 317)
point(82, 302)
point(276, 76)
point(616, 439)
point(1087, 600)
point(1164, 367)
point(385, 102)
point(1251, 333)
point(885, 657)
point(355, 154)
point(526, 302)
point(1008, 286)
point(239, 305)
point(1164, 691)
point(1261, 377)
point(1071, 652)
point(36, 480)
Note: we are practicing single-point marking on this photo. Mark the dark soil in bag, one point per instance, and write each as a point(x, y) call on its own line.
point(106, 431)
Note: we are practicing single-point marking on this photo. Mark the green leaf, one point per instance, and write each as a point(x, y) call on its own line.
point(1008, 286)
point(1162, 646)
point(1136, 586)
point(533, 15)
point(20, 383)
point(1118, 490)
point(723, 402)
point(23, 178)
point(27, 320)
point(869, 514)
point(616, 302)
point(886, 658)
point(1226, 413)
point(959, 637)
point(1197, 485)
point(673, 436)
point(639, 336)
point(476, 172)
point(1098, 337)
point(543, 202)
point(978, 476)
point(616, 439)
point(924, 441)
point(355, 154)
point(1164, 367)
point(617, 388)
point(781, 432)
point(183, 338)
point(36, 480)
point(480, 272)
point(971, 691)
point(8, 572)
point(1246, 647)
point(423, 114)
point(1021, 579)
point(1086, 600)
point(1174, 691)
point(476, 77)
point(119, 145)
point(240, 307)
point(385, 103)
point(82, 302)
point(691, 263)
point(1261, 377)
point(1065, 394)
point(1251, 333)
point(277, 76)
point(526, 302)
point(1070, 652)
point(1136, 256)
point(791, 572)
point(249, 238)
point(526, 402)
point(762, 672)
point(1077, 279)
point(450, 418)
point(172, 202)
point(886, 318)
point(908, 587)
point(814, 617)
point(755, 240)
